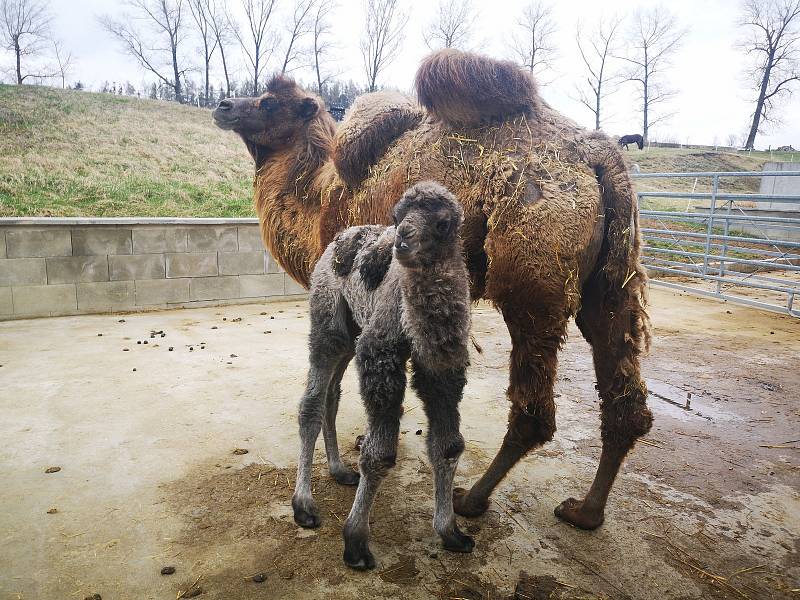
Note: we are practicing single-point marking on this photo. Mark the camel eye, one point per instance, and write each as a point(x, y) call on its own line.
point(442, 226)
point(268, 104)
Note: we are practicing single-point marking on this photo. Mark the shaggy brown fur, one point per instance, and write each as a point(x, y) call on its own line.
point(465, 89)
point(550, 232)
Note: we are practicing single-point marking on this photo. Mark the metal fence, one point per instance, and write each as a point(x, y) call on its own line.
point(726, 245)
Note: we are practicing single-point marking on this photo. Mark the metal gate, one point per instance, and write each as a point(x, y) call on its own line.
point(733, 245)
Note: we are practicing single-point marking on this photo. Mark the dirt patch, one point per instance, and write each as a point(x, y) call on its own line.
point(250, 507)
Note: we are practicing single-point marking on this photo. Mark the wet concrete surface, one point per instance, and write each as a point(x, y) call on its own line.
point(707, 506)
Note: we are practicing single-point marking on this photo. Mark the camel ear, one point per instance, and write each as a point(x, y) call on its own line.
point(308, 108)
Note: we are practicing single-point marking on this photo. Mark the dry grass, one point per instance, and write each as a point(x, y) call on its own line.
point(65, 153)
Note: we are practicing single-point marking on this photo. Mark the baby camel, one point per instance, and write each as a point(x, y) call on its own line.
point(384, 311)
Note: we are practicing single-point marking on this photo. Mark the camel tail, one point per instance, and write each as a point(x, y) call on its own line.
point(623, 276)
point(461, 88)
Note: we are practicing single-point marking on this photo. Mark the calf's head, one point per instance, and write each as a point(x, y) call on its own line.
point(427, 219)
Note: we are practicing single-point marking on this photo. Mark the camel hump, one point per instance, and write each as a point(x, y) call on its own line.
point(462, 88)
point(372, 124)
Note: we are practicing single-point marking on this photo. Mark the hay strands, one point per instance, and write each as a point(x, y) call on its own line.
point(184, 593)
point(717, 580)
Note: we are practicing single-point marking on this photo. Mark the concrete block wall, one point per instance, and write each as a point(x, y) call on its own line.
point(56, 267)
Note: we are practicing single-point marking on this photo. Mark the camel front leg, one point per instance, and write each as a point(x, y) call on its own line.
point(440, 394)
point(531, 423)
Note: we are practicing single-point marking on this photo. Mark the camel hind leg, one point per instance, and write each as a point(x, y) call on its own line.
point(613, 325)
point(343, 474)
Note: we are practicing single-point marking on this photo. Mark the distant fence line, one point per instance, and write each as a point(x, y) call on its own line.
point(57, 266)
point(727, 246)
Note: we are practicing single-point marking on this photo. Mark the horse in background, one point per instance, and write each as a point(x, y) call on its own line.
point(631, 139)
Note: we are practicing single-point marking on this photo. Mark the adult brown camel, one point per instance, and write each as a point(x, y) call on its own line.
point(550, 230)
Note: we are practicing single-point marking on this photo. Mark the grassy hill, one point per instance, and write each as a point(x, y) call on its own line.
point(66, 153)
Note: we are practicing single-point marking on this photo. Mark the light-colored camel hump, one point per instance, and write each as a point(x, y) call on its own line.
point(372, 124)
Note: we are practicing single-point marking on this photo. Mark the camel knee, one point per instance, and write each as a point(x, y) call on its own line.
point(625, 417)
point(531, 428)
point(376, 463)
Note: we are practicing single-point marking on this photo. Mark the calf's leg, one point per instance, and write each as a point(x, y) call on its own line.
point(383, 382)
point(343, 474)
point(440, 394)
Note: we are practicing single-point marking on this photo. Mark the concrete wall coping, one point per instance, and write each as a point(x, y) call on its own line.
point(106, 221)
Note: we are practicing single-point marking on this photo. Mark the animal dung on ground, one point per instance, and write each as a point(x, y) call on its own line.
point(171, 348)
point(240, 451)
point(167, 570)
point(52, 469)
point(418, 432)
point(260, 577)
point(52, 511)
point(94, 597)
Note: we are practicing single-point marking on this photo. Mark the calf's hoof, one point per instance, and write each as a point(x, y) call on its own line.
point(575, 513)
point(305, 515)
point(346, 477)
point(357, 556)
point(467, 507)
point(456, 541)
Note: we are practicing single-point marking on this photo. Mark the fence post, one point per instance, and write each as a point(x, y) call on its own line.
point(725, 244)
point(714, 189)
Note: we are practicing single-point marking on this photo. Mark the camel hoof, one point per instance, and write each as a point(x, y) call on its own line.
point(464, 506)
point(573, 512)
point(357, 556)
point(458, 541)
point(346, 477)
point(305, 516)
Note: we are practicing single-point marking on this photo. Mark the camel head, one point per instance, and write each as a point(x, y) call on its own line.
point(272, 121)
point(427, 219)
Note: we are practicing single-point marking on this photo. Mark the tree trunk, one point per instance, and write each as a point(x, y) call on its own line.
point(177, 74)
point(17, 51)
point(762, 92)
point(597, 107)
point(319, 77)
point(225, 70)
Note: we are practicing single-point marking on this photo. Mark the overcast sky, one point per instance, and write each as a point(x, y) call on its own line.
point(713, 99)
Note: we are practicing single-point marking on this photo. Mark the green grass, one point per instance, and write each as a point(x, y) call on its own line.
point(67, 153)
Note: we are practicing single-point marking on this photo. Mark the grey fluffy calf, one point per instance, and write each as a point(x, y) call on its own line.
point(384, 295)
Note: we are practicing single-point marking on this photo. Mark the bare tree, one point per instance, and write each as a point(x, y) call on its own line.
point(453, 25)
point(382, 39)
point(298, 27)
point(596, 50)
point(220, 25)
point(533, 42)
point(322, 44)
point(155, 42)
point(202, 19)
point(64, 62)
point(24, 27)
point(774, 43)
point(257, 43)
point(653, 39)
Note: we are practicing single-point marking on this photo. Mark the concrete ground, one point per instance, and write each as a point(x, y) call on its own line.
point(144, 436)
